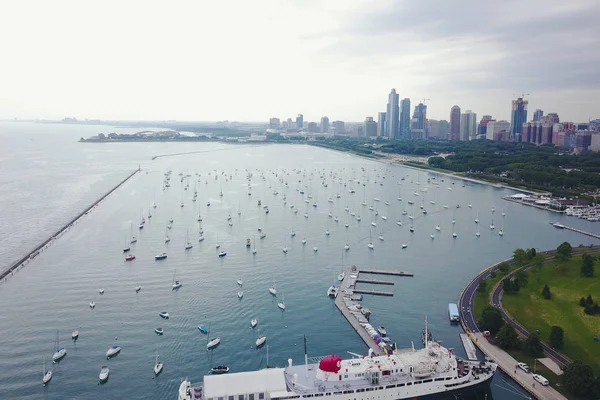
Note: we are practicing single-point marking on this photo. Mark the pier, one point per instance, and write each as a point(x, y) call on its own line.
point(373, 292)
point(374, 281)
point(469, 347)
point(354, 313)
point(34, 252)
point(590, 234)
point(386, 272)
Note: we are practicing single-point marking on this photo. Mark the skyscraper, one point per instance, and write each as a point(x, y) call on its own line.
point(537, 114)
point(370, 127)
point(518, 118)
point(468, 125)
point(405, 118)
point(482, 128)
point(381, 124)
point(419, 125)
point(300, 121)
point(274, 123)
point(324, 124)
point(340, 127)
point(455, 123)
point(392, 115)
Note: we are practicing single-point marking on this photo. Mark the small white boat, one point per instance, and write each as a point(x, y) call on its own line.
point(164, 314)
point(240, 294)
point(437, 228)
point(454, 235)
point(382, 331)
point(285, 249)
point(171, 220)
point(60, 351)
point(158, 366)
point(281, 304)
point(138, 288)
point(303, 241)
point(213, 343)
point(315, 249)
point(201, 238)
point(273, 290)
point(432, 236)
point(253, 323)
point(47, 374)
point(75, 335)
point(159, 331)
point(113, 351)
point(222, 253)
point(381, 237)
point(327, 233)
point(261, 340)
point(160, 256)
point(346, 247)
point(383, 217)
point(404, 246)
point(101, 291)
point(92, 304)
point(240, 282)
point(370, 246)
point(104, 371)
point(374, 223)
point(501, 232)
point(177, 284)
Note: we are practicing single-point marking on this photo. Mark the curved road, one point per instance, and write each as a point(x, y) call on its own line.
point(466, 303)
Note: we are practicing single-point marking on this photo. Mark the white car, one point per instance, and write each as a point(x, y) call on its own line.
point(543, 381)
point(524, 367)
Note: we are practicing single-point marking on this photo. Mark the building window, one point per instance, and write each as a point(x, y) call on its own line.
point(241, 397)
point(251, 396)
point(220, 398)
point(261, 396)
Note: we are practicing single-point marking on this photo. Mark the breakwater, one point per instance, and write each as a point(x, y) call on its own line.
point(34, 252)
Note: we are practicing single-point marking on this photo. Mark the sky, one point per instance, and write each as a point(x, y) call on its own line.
point(248, 60)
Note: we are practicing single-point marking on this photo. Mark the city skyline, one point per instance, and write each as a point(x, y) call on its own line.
point(173, 61)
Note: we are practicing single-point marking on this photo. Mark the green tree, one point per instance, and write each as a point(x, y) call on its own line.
point(579, 378)
point(531, 253)
point(507, 338)
point(587, 266)
point(491, 319)
point(582, 302)
point(523, 277)
point(589, 301)
point(482, 286)
point(503, 267)
point(589, 310)
point(493, 274)
point(533, 345)
point(520, 256)
point(507, 285)
point(546, 292)
point(537, 261)
point(556, 338)
point(515, 286)
point(564, 252)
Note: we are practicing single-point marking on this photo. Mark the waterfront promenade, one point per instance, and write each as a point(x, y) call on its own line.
point(35, 251)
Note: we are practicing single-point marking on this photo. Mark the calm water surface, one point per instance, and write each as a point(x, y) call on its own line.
point(46, 177)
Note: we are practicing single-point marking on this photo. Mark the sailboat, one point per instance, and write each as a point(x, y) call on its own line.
point(167, 238)
point(370, 244)
point(132, 239)
point(158, 366)
point(176, 284)
point(492, 226)
point(254, 246)
point(477, 233)
point(281, 304)
point(477, 217)
point(127, 247)
point(342, 274)
point(272, 289)
point(261, 339)
point(60, 351)
point(501, 231)
point(47, 374)
point(188, 244)
point(214, 342)
point(285, 249)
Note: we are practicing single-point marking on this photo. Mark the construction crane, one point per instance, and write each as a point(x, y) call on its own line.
point(522, 95)
point(424, 100)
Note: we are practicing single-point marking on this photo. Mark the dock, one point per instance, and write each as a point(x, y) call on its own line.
point(469, 347)
point(356, 315)
point(374, 281)
point(373, 292)
point(590, 234)
point(386, 272)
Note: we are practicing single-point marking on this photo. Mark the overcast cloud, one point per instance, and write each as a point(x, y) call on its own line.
point(250, 60)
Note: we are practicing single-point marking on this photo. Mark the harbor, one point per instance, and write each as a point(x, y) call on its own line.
point(562, 226)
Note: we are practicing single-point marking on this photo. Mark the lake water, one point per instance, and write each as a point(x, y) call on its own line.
point(46, 178)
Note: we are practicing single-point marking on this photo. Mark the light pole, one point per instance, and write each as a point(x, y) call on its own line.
point(534, 364)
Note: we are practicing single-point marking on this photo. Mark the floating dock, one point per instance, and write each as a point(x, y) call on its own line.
point(469, 347)
point(374, 281)
point(561, 226)
point(373, 292)
point(385, 272)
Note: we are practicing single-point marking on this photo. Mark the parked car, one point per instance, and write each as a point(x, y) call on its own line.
point(540, 379)
point(524, 367)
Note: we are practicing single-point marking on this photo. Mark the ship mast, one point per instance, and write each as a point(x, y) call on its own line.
point(426, 334)
point(305, 357)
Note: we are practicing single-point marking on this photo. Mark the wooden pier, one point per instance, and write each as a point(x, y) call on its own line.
point(590, 234)
point(385, 272)
point(374, 281)
point(373, 292)
point(343, 302)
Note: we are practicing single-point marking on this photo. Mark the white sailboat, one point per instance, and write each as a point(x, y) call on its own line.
point(285, 249)
point(477, 217)
point(60, 352)
point(158, 366)
point(342, 274)
point(132, 239)
point(501, 231)
point(370, 244)
point(167, 238)
point(261, 339)
point(46, 374)
point(188, 244)
point(281, 304)
point(272, 289)
point(254, 247)
point(176, 284)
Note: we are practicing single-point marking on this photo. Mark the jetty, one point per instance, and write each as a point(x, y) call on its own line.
point(386, 272)
point(356, 315)
point(373, 292)
point(374, 281)
point(34, 252)
point(561, 226)
point(469, 347)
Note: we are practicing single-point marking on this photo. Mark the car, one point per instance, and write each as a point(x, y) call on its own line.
point(543, 381)
point(524, 367)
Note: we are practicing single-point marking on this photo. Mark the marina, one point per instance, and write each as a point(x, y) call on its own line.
point(89, 257)
point(374, 281)
point(562, 226)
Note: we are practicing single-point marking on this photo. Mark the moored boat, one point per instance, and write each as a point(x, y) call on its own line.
point(203, 328)
point(220, 369)
point(164, 314)
point(213, 343)
point(113, 351)
point(160, 256)
point(103, 376)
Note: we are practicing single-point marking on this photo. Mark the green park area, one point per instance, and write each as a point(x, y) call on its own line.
point(562, 308)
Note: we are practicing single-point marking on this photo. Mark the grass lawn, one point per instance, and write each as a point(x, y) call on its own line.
point(567, 287)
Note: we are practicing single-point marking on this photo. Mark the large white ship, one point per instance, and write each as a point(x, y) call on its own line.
point(428, 373)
